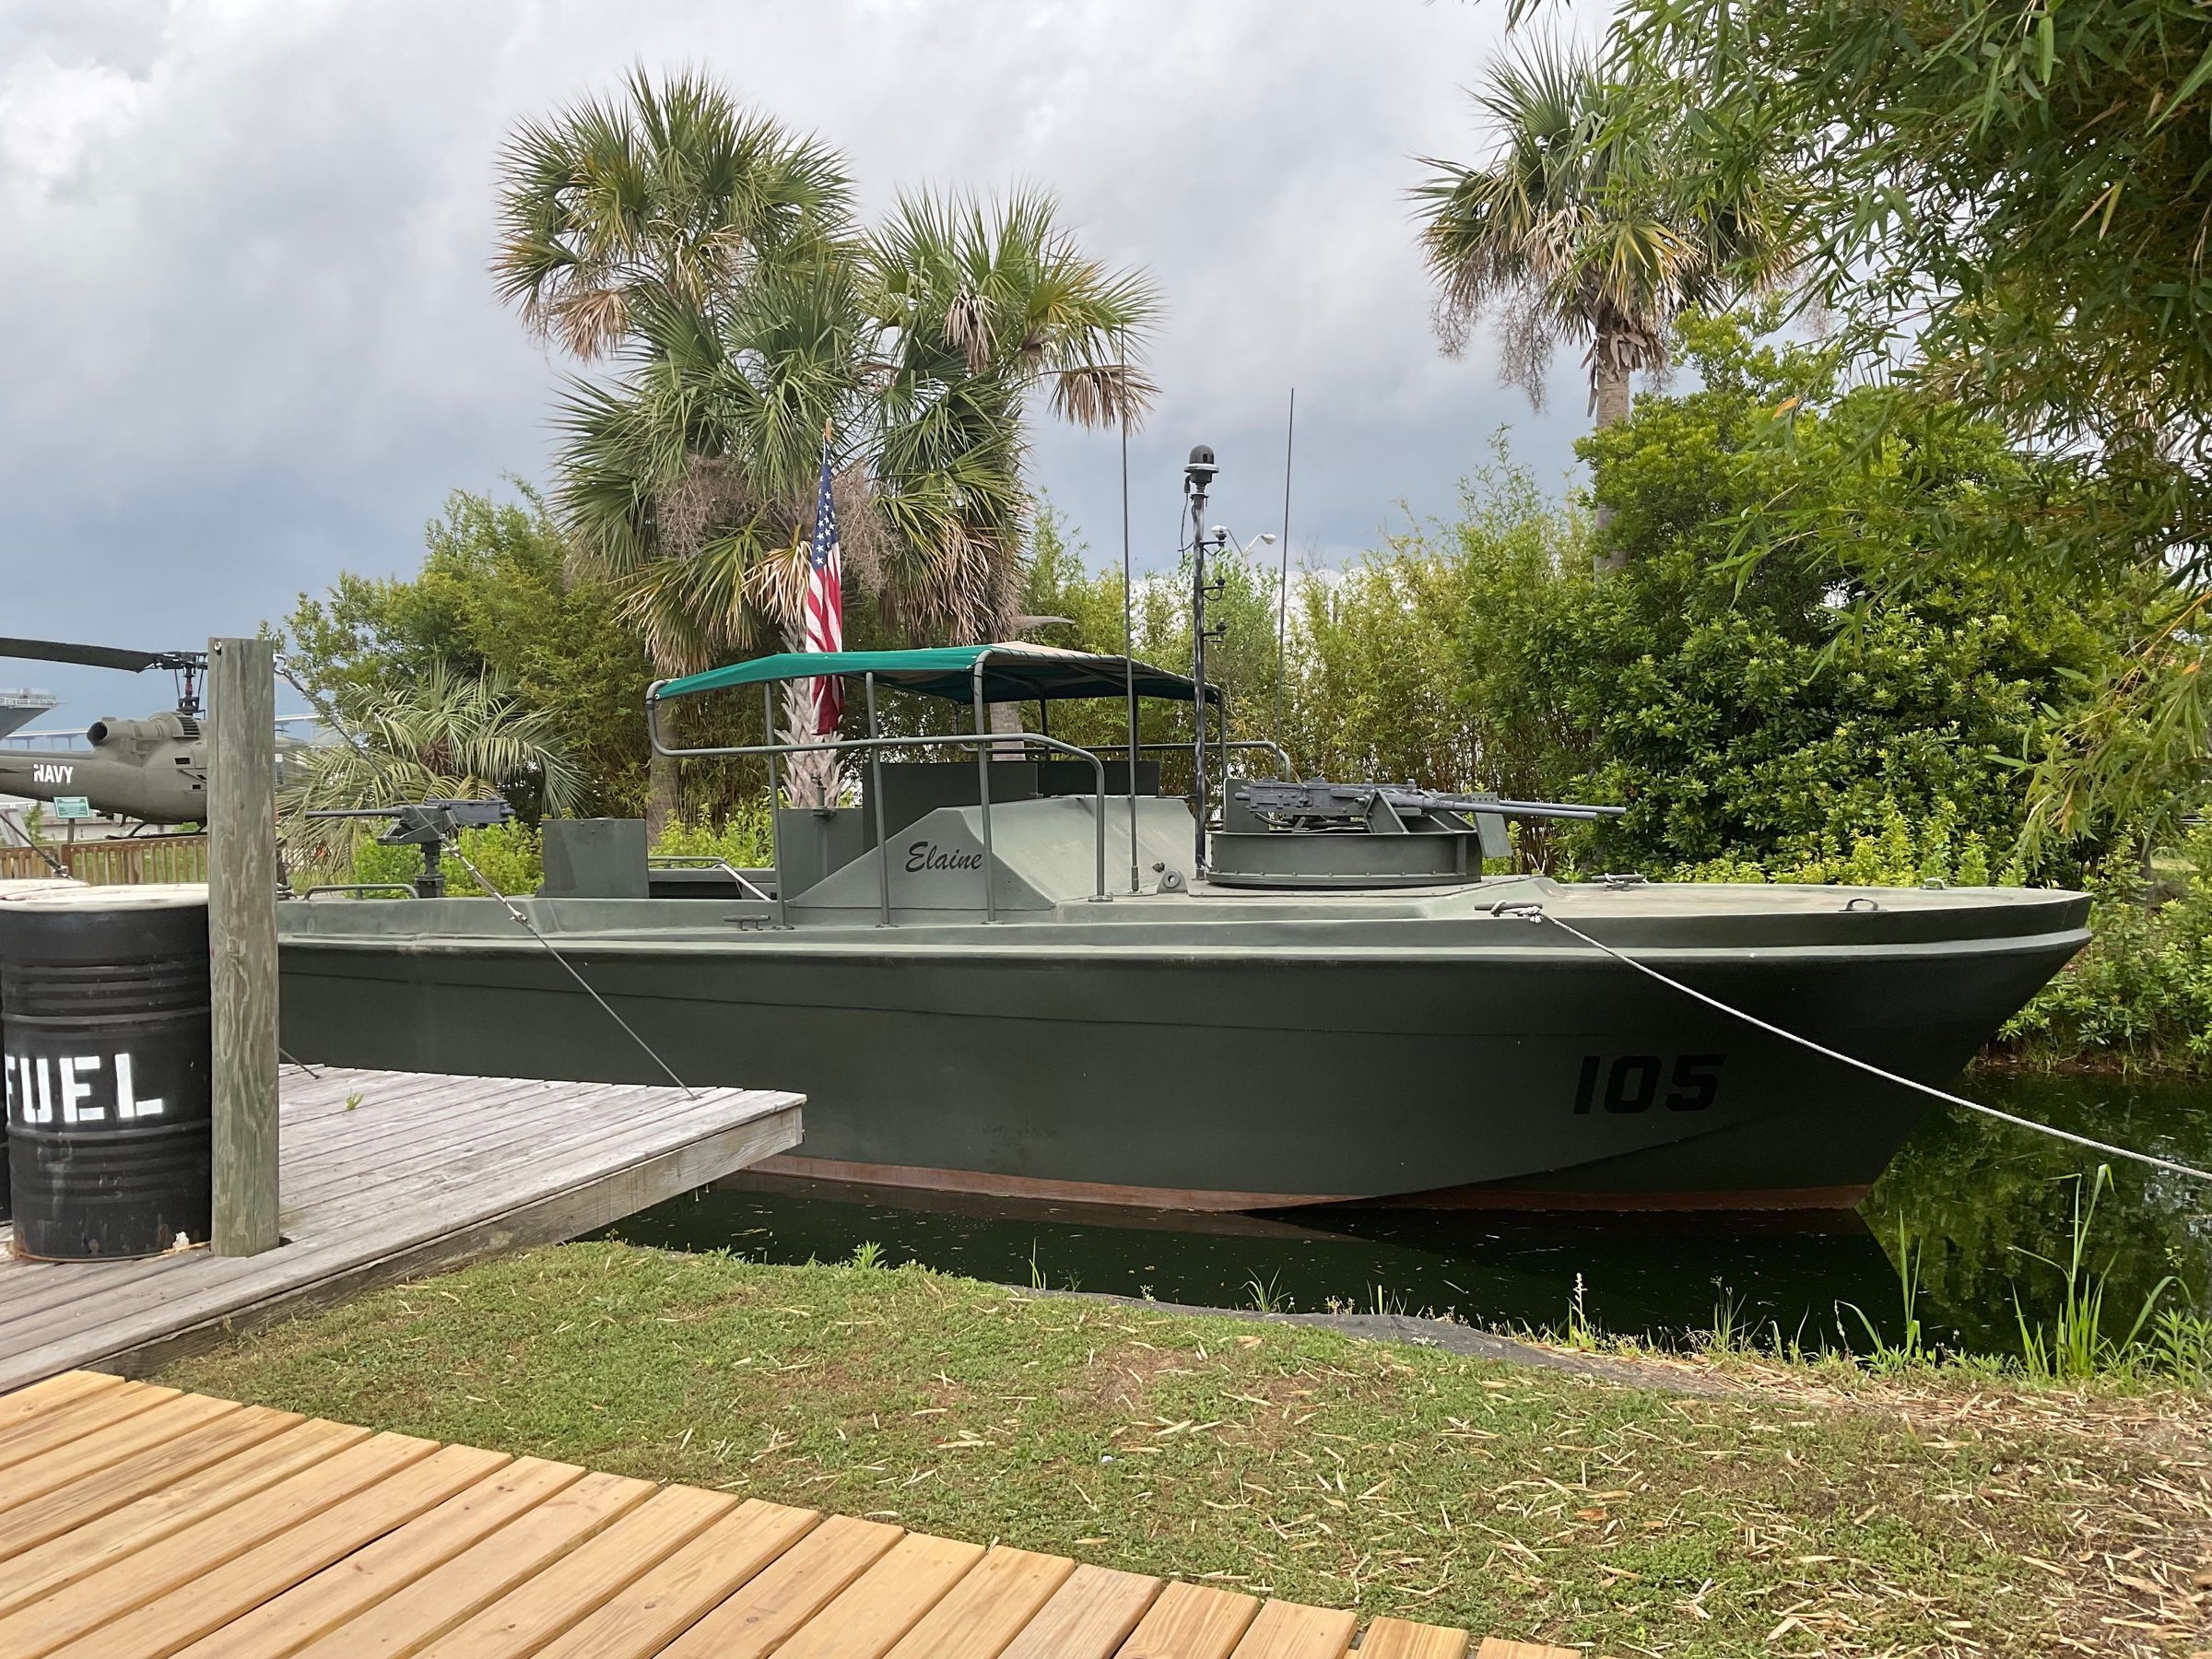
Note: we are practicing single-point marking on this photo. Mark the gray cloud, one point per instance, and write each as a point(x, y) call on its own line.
point(251, 341)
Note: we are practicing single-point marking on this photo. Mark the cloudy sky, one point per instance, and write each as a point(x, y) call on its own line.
point(251, 341)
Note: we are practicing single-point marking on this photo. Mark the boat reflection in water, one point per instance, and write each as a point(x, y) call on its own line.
point(1665, 1277)
point(1978, 1202)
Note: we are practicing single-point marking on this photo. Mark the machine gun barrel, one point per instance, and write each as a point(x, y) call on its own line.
point(457, 815)
point(1318, 799)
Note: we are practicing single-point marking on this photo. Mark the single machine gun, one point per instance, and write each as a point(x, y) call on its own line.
point(426, 824)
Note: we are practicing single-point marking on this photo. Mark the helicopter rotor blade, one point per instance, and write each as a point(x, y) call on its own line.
point(100, 656)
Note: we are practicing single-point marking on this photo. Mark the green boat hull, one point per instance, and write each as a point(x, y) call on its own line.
point(1424, 1053)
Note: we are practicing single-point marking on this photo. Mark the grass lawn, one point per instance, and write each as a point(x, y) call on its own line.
point(1766, 1509)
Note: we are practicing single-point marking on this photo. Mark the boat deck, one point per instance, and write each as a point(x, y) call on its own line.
point(138, 1521)
point(386, 1175)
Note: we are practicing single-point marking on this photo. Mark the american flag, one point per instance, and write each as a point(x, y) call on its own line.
point(825, 628)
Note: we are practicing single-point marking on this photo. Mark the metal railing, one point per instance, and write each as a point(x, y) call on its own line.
point(706, 861)
point(1269, 743)
point(981, 740)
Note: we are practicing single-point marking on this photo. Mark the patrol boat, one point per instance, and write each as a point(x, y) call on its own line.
point(1024, 971)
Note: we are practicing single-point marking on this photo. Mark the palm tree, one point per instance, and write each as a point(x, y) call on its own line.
point(713, 256)
point(978, 306)
point(667, 195)
point(1593, 222)
point(711, 248)
point(689, 484)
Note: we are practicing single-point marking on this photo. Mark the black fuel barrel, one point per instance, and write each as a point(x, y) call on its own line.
point(12, 889)
point(104, 1023)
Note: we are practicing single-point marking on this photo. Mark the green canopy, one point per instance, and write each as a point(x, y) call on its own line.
point(1011, 672)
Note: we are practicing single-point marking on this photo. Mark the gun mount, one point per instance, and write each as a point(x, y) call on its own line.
point(429, 825)
point(1317, 834)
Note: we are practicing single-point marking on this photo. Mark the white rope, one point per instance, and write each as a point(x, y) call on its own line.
point(1537, 913)
point(454, 846)
point(522, 922)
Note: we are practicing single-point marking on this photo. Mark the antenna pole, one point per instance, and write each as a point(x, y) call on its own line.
point(1282, 592)
point(1197, 477)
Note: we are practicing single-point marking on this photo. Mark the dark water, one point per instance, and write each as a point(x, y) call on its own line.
point(1976, 1198)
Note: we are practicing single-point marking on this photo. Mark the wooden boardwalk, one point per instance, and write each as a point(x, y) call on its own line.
point(140, 1522)
point(386, 1175)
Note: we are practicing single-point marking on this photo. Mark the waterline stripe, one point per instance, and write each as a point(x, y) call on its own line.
point(1537, 913)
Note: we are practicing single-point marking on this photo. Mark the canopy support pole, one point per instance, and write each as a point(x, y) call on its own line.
point(983, 773)
point(883, 848)
point(775, 817)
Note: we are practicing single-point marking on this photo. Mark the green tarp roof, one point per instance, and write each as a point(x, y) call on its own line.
point(1011, 672)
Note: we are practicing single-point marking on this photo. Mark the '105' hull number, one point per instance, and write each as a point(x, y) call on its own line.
point(1632, 1082)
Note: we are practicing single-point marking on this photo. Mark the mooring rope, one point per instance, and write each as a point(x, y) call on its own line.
point(454, 846)
point(1537, 912)
point(524, 923)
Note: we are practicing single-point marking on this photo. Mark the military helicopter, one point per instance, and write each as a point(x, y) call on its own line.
point(154, 770)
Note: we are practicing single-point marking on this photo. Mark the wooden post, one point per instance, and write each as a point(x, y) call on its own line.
point(242, 939)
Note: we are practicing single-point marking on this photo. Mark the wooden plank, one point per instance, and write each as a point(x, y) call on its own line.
point(311, 1609)
point(886, 1602)
point(1398, 1639)
point(1088, 1617)
point(33, 1290)
point(394, 1095)
point(49, 1471)
point(1494, 1647)
point(641, 1619)
point(184, 1480)
point(456, 1190)
point(127, 1573)
point(40, 1397)
point(438, 1117)
point(988, 1608)
point(375, 1181)
point(409, 1620)
point(512, 1146)
point(578, 1196)
point(210, 1600)
point(1288, 1631)
point(162, 1470)
point(88, 1413)
point(783, 1596)
point(242, 941)
point(1191, 1621)
point(533, 1613)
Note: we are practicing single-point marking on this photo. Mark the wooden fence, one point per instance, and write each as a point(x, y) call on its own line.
point(114, 863)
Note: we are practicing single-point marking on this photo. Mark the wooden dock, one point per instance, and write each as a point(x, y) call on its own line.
point(141, 1523)
point(387, 1175)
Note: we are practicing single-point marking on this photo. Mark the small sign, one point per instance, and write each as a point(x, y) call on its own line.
point(72, 806)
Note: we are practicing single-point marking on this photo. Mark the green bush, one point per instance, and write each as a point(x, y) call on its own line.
point(2139, 997)
point(743, 838)
point(1898, 851)
point(509, 854)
